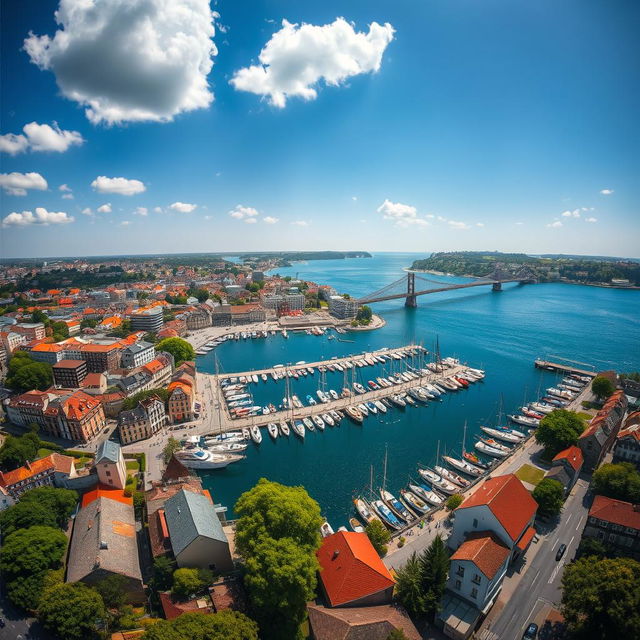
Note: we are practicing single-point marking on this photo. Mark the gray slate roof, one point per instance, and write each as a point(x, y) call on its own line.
point(104, 521)
point(108, 450)
point(190, 515)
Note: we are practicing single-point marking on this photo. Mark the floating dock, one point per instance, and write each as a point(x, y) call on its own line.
point(563, 368)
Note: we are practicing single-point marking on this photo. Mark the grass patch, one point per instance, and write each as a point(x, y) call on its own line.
point(132, 465)
point(43, 452)
point(81, 462)
point(530, 474)
point(585, 416)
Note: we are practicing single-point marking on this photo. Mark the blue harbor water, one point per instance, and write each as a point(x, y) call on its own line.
point(502, 333)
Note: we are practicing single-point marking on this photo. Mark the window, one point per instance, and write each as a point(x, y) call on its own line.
point(476, 579)
point(475, 523)
point(474, 593)
point(108, 473)
point(460, 571)
point(458, 584)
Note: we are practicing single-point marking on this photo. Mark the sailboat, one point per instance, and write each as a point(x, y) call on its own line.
point(391, 501)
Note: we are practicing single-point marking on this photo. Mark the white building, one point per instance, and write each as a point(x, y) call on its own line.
point(343, 308)
point(110, 465)
point(137, 354)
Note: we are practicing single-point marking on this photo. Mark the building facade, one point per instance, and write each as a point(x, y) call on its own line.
point(627, 445)
point(69, 374)
point(51, 471)
point(137, 354)
point(143, 421)
point(147, 320)
point(342, 308)
point(110, 465)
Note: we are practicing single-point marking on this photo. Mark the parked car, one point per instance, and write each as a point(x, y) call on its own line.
point(531, 633)
point(561, 549)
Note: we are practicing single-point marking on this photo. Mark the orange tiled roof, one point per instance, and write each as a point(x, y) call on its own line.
point(573, 455)
point(103, 491)
point(47, 348)
point(616, 511)
point(54, 461)
point(508, 500)
point(485, 550)
point(351, 568)
point(154, 366)
point(177, 384)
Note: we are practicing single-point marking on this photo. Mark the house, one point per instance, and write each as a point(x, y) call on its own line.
point(160, 369)
point(616, 524)
point(501, 505)
point(143, 421)
point(360, 623)
point(601, 433)
point(566, 466)
point(351, 571)
point(11, 340)
point(627, 444)
point(174, 608)
point(195, 532)
point(137, 354)
point(104, 542)
point(477, 568)
point(51, 471)
point(31, 330)
point(110, 465)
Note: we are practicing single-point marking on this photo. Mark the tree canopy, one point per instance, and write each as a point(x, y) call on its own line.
point(180, 349)
point(435, 567)
point(186, 582)
point(620, 481)
point(277, 511)
point(170, 448)
point(409, 588)
point(559, 430)
point(602, 387)
point(70, 610)
point(601, 597)
point(16, 450)
point(25, 374)
point(454, 501)
point(549, 494)
point(225, 625)
point(378, 535)
point(112, 590)
point(132, 401)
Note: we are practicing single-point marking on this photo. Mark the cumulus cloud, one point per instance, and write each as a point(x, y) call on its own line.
point(300, 223)
point(454, 224)
point(251, 220)
point(479, 224)
point(67, 196)
point(555, 225)
point(298, 57)
point(40, 217)
point(17, 184)
point(402, 214)
point(64, 187)
point(606, 192)
point(141, 211)
point(121, 186)
point(571, 214)
point(87, 211)
point(105, 208)
point(183, 207)
point(270, 219)
point(130, 61)
point(591, 219)
point(240, 212)
point(157, 209)
point(40, 137)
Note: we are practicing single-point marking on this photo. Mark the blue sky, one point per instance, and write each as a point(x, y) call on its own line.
point(444, 125)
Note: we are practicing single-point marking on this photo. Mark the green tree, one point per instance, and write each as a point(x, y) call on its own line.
point(180, 349)
point(70, 610)
point(620, 481)
point(112, 590)
point(454, 501)
point(15, 451)
point(186, 582)
point(396, 634)
point(40, 316)
point(364, 314)
point(559, 430)
point(225, 625)
point(23, 515)
point(601, 598)
point(592, 547)
point(602, 387)
point(60, 502)
point(132, 401)
point(274, 510)
point(88, 323)
point(25, 374)
point(60, 331)
point(170, 448)
point(435, 567)
point(409, 588)
point(163, 569)
point(379, 536)
point(549, 494)
point(280, 579)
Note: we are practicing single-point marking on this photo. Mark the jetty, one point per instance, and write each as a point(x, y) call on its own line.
point(564, 368)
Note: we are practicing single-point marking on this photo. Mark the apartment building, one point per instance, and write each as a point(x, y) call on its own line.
point(69, 374)
point(342, 308)
point(143, 421)
point(30, 330)
point(137, 354)
point(51, 471)
point(627, 445)
point(147, 319)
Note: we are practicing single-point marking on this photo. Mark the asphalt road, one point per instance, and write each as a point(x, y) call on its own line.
point(540, 584)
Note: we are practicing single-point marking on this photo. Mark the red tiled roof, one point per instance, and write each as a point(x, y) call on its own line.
point(485, 550)
point(54, 462)
point(174, 609)
point(573, 455)
point(526, 539)
point(105, 492)
point(508, 500)
point(68, 364)
point(602, 414)
point(351, 568)
point(616, 511)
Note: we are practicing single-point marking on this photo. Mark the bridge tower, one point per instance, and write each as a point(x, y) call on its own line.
point(410, 300)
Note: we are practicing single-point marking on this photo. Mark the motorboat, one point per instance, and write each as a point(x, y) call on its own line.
point(322, 396)
point(500, 434)
point(284, 429)
point(334, 394)
point(229, 447)
point(358, 388)
point(425, 492)
point(373, 385)
point(372, 407)
point(319, 422)
point(398, 401)
point(311, 401)
point(229, 436)
point(336, 416)
point(526, 411)
point(328, 419)
point(412, 501)
point(296, 402)
point(542, 407)
point(437, 481)
point(298, 428)
point(198, 458)
point(256, 434)
point(380, 406)
point(409, 400)
point(308, 423)
point(355, 525)
point(354, 414)
point(264, 377)
point(326, 530)
point(386, 515)
point(364, 510)
point(463, 466)
point(452, 477)
point(362, 407)
point(272, 428)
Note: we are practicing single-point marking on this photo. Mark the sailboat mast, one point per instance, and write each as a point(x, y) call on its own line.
point(384, 480)
point(464, 438)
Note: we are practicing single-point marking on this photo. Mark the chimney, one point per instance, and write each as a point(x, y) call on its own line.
point(336, 553)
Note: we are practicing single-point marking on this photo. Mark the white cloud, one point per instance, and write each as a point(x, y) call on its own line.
point(300, 223)
point(40, 137)
point(64, 187)
point(121, 186)
point(571, 214)
point(141, 211)
point(87, 211)
point(240, 212)
point(270, 219)
point(354, 198)
point(17, 184)
point(130, 61)
point(606, 192)
point(454, 224)
point(250, 220)
point(67, 196)
point(298, 57)
point(402, 214)
point(105, 208)
point(555, 225)
point(157, 209)
point(41, 217)
point(183, 207)
point(591, 219)
point(125, 223)
point(479, 224)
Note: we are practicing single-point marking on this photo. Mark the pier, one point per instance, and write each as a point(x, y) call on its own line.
point(563, 368)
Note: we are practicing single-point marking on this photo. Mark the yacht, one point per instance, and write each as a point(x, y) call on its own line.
point(256, 435)
point(425, 492)
point(525, 421)
point(452, 477)
point(398, 401)
point(489, 447)
point(358, 388)
point(336, 416)
point(284, 428)
point(230, 447)
point(396, 506)
point(364, 510)
point(334, 394)
point(463, 466)
point(272, 428)
point(319, 422)
point(440, 483)
point(308, 423)
point(501, 434)
point(354, 414)
point(197, 458)
point(362, 408)
point(381, 408)
point(386, 515)
point(322, 396)
point(296, 402)
point(298, 428)
point(412, 501)
point(328, 419)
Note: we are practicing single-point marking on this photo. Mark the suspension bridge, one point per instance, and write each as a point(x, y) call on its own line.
point(408, 286)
